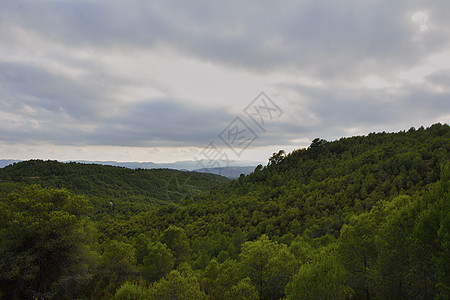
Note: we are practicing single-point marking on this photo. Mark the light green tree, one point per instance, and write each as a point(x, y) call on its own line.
point(244, 290)
point(131, 291)
point(177, 287)
point(254, 257)
point(228, 275)
point(324, 278)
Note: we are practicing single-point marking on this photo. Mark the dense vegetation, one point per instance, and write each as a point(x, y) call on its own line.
point(362, 217)
point(115, 190)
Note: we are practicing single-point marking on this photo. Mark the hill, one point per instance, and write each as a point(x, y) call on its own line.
point(138, 189)
point(361, 217)
point(233, 171)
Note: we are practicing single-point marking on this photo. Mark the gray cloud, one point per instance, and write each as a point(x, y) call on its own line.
point(440, 79)
point(54, 108)
point(333, 111)
point(320, 38)
point(57, 83)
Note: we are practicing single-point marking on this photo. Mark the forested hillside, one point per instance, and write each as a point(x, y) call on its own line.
point(364, 217)
point(117, 188)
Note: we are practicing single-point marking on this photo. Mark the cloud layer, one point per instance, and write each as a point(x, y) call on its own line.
point(174, 74)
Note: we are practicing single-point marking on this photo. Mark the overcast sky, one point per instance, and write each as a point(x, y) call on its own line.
point(160, 81)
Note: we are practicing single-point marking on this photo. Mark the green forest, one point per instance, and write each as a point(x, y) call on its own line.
point(365, 217)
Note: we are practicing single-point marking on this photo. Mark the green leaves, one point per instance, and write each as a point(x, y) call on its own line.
point(176, 240)
point(119, 259)
point(323, 278)
point(254, 257)
point(400, 248)
point(131, 291)
point(364, 217)
point(176, 286)
point(243, 290)
point(158, 262)
point(278, 272)
point(42, 241)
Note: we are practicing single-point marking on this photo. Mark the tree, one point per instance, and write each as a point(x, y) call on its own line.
point(358, 253)
point(277, 158)
point(228, 275)
point(316, 144)
point(176, 240)
point(399, 216)
point(277, 273)
point(158, 262)
point(140, 244)
point(443, 257)
point(254, 258)
point(131, 291)
point(429, 275)
point(324, 278)
point(209, 281)
point(244, 290)
point(423, 246)
point(45, 240)
point(177, 287)
point(119, 260)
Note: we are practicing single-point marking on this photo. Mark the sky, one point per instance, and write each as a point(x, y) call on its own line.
point(166, 81)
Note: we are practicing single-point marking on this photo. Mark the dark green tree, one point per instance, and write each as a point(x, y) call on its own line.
point(158, 262)
point(358, 253)
point(119, 260)
point(392, 236)
point(278, 272)
point(254, 257)
point(44, 244)
point(277, 158)
point(176, 240)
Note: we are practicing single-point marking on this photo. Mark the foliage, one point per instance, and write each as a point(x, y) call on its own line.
point(158, 262)
point(131, 291)
point(119, 259)
point(176, 286)
point(323, 278)
point(115, 189)
point(244, 290)
point(176, 240)
point(44, 243)
point(361, 217)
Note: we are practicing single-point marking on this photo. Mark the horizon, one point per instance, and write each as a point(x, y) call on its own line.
point(233, 163)
point(240, 163)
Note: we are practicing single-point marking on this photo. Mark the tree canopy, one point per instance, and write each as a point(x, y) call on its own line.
point(361, 217)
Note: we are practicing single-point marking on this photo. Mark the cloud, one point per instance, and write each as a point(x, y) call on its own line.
point(40, 105)
point(440, 80)
point(323, 38)
point(334, 111)
point(174, 74)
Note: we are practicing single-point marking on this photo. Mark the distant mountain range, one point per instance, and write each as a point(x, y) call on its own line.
point(229, 172)
point(7, 162)
point(234, 170)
